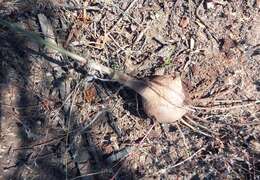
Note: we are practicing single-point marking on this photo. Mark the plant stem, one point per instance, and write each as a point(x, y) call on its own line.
point(115, 75)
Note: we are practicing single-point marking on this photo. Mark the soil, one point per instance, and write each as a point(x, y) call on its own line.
point(61, 120)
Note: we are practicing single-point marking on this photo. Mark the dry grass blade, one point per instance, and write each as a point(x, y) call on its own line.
point(163, 96)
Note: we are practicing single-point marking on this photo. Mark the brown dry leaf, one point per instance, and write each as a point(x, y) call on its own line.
point(47, 105)
point(84, 17)
point(74, 32)
point(82, 20)
point(184, 22)
point(90, 94)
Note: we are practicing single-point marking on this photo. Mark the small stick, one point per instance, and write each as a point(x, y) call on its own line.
point(184, 139)
point(73, 99)
point(226, 108)
point(40, 143)
point(196, 130)
point(90, 174)
point(122, 15)
point(182, 162)
point(208, 28)
point(187, 124)
point(189, 1)
point(199, 125)
point(132, 151)
point(37, 39)
point(141, 142)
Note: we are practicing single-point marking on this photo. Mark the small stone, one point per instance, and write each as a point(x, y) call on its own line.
point(210, 4)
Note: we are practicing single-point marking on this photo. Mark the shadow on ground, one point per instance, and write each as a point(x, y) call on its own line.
point(26, 151)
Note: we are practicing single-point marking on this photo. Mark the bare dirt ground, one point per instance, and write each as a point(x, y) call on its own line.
point(61, 120)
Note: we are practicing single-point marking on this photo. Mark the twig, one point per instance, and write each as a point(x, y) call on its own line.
point(117, 172)
point(40, 144)
point(94, 119)
point(204, 24)
point(194, 129)
point(37, 39)
point(162, 171)
point(132, 150)
point(189, 1)
point(65, 101)
point(90, 174)
point(122, 15)
point(141, 142)
point(199, 125)
point(80, 7)
point(226, 108)
point(89, 124)
point(184, 139)
point(68, 128)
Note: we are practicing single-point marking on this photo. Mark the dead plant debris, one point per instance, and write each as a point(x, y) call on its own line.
point(186, 105)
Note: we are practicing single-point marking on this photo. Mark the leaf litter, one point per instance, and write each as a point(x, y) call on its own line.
point(103, 131)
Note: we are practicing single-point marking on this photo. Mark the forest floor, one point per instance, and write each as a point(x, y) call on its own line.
point(61, 120)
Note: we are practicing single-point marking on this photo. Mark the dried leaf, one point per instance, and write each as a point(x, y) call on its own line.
point(84, 17)
point(184, 22)
point(47, 105)
point(90, 94)
point(82, 20)
point(74, 32)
